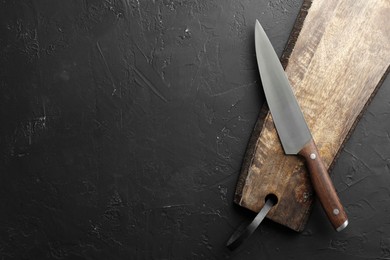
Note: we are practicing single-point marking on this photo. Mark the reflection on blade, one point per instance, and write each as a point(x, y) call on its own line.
point(286, 113)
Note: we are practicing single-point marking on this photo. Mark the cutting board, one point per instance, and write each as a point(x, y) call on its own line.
point(337, 56)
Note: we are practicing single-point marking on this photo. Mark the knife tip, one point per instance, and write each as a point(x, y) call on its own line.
point(258, 26)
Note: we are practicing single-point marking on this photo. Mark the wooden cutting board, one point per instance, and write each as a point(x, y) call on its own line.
point(340, 57)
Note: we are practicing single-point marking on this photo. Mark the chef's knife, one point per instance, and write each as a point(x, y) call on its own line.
point(292, 129)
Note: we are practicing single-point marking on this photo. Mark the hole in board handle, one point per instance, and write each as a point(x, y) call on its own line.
point(273, 198)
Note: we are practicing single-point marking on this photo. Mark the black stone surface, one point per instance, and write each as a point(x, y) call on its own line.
point(123, 128)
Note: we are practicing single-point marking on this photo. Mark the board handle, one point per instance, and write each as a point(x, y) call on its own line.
point(323, 186)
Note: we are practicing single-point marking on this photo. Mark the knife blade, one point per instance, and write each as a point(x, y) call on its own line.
point(292, 129)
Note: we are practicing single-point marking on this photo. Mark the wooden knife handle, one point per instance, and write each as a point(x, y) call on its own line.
point(323, 186)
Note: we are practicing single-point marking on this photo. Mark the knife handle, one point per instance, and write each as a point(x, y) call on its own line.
point(323, 186)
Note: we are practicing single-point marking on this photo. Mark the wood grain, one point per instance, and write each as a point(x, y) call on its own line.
point(323, 186)
point(339, 59)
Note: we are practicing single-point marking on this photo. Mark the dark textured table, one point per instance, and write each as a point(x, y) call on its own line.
point(124, 125)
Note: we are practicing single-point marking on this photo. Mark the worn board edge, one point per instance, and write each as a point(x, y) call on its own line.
point(252, 144)
point(251, 147)
point(351, 130)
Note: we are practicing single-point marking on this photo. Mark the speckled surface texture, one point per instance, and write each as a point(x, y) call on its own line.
point(124, 125)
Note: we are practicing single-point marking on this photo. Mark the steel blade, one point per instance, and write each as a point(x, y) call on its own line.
point(286, 113)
